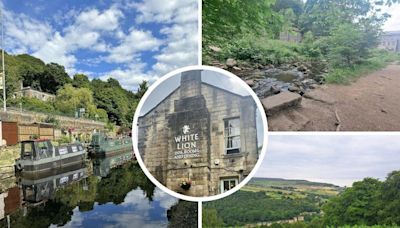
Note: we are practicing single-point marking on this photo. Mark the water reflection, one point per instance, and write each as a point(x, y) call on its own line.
point(109, 191)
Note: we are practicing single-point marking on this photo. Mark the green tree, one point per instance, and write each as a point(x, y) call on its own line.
point(358, 205)
point(54, 77)
point(227, 19)
point(143, 86)
point(70, 99)
point(210, 218)
point(390, 212)
point(81, 80)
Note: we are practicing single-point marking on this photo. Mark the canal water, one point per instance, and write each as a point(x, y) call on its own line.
point(103, 192)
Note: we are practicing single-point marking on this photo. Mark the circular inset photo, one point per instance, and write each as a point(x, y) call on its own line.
point(199, 133)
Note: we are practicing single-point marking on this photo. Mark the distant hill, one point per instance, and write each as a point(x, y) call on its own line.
point(287, 182)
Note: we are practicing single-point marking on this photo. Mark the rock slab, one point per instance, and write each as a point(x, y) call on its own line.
point(281, 101)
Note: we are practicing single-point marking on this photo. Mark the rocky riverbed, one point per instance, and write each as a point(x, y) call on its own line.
point(272, 79)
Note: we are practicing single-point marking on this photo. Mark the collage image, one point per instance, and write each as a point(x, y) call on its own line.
point(200, 113)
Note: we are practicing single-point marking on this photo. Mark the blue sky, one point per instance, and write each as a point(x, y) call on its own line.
point(128, 40)
point(336, 159)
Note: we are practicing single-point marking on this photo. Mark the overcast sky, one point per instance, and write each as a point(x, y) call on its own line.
point(339, 160)
point(393, 23)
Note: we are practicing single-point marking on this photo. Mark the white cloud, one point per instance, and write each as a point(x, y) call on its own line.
point(163, 11)
point(89, 29)
point(130, 77)
point(133, 43)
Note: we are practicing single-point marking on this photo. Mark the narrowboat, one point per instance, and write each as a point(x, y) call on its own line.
point(41, 156)
point(42, 188)
point(102, 166)
point(102, 145)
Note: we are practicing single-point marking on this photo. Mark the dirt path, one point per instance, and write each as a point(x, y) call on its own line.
point(372, 103)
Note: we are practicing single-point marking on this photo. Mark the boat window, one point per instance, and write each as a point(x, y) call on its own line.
point(28, 150)
point(44, 150)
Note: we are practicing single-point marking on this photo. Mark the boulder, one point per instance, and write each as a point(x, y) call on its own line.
point(237, 68)
point(231, 62)
point(302, 68)
point(250, 82)
point(274, 89)
point(294, 89)
point(279, 102)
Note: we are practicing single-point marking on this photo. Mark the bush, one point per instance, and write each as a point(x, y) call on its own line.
point(261, 50)
point(37, 105)
point(345, 75)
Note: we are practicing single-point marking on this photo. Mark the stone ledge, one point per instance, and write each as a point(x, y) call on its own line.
point(281, 101)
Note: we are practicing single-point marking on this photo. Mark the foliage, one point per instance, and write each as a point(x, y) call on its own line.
point(345, 75)
point(254, 50)
point(258, 207)
point(64, 140)
point(119, 104)
point(81, 81)
point(210, 218)
point(34, 104)
point(108, 100)
point(227, 19)
point(53, 120)
point(69, 100)
point(368, 202)
point(183, 214)
point(54, 77)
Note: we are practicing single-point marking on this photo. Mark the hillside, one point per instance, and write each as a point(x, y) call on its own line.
point(107, 100)
point(265, 200)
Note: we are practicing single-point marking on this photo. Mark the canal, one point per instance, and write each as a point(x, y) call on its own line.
point(109, 191)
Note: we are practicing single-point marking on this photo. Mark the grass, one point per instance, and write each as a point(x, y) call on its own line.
point(345, 75)
point(8, 155)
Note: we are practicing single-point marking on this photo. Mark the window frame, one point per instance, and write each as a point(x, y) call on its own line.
point(229, 179)
point(227, 136)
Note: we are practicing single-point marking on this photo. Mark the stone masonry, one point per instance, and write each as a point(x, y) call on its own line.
point(183, 137)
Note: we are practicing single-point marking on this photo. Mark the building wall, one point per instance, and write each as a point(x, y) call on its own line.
point(29, 92)
point(391, 41)
point(203, 108)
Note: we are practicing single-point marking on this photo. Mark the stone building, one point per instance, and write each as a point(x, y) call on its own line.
point(391, 41)
point(199, 133)
point(31, 93)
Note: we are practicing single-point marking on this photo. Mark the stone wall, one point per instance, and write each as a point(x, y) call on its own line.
point(201, 109)
point(26, 117)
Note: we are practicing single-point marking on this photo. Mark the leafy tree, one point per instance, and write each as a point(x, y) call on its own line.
point(70, 99)
point(227, 19)
point(390, 202)
point(143, 86)
point(211, 219)
point(81, 80)
point(54, 77)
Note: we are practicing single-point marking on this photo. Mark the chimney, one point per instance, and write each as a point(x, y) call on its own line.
point(191, 83)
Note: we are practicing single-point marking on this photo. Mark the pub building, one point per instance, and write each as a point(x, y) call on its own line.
point(200, 140)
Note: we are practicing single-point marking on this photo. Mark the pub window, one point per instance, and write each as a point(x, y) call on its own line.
point(232, 136)
point(228, 183)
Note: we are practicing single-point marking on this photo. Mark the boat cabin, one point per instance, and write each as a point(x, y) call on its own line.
point(36, 149)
